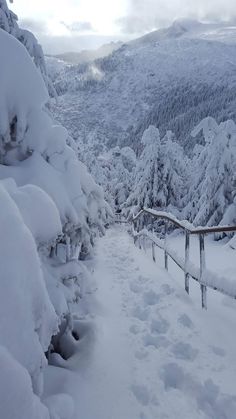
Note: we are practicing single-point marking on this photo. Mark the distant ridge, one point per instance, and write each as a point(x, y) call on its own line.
point(86, 56)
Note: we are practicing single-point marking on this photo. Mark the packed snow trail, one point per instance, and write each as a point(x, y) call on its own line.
point(152, 354)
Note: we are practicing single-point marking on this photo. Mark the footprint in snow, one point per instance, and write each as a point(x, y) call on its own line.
point(218, 351)
point(156, 341)
point(140, 313)
point(209, 399)
point(141, 393)
point(184, 351)
point(143, 279)
point(135, 287)
point(141, 354)
point(159, 326)
point(151, 298)
point(186, 321)
point(172, 376)
point(167, 289)
point(135, 329)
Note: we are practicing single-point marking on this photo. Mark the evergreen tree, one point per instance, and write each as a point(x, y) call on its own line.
point(8, 22)
point(159, 172)
point(212, 183)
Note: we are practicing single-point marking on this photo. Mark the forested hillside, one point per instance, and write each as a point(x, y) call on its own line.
point(90, 333)
point(171, 79)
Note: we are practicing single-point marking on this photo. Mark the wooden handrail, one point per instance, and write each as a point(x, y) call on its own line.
point(185, 225)
point(200, 274)
point(118, 218)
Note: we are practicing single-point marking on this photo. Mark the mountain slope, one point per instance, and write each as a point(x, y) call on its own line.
point(171, 78)
point(85, 56)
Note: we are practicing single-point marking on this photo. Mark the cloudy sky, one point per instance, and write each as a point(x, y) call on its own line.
point(72, 25)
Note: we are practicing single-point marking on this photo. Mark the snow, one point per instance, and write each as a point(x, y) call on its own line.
point(158, 178)
point(146, 349)
point(37, 152)
point(212, 279)
point(212, 176)
point(9, 23)
point(38, 210)
point(17, 399)
point(22, 284)
point(51, 211)
point(126, 341)
point(12, 88)
point(163, 214)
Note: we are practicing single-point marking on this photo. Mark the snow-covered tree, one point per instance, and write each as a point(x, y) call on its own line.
point(8, 22)
point(212, 186)
point(147, 191)
point(120, 183)
point(159, 172)
point(51, 210)
point(175, 171)
point(112, 169)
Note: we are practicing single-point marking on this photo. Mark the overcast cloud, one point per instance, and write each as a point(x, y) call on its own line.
point(81, 24)
point(146, 15)
point(58, 45)
point(38, 27)
point(77, 27)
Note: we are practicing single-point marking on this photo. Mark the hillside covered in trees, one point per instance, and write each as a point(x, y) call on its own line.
point(86, 330)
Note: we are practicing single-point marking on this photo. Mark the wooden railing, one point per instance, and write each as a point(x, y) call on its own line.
point(120, 218)
point(203, 276)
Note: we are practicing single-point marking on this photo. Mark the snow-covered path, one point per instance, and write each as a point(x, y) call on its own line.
point(153, 353)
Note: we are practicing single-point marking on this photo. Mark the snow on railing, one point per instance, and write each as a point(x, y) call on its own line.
point(201, 274)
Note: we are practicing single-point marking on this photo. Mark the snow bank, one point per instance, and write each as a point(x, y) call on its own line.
point(9, 23)
point(19, 97)
point(22, 284)
point(38, 210)
point(51, 210)
point(17, 399)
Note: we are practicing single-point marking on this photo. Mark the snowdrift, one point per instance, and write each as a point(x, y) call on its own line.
point(51, 210)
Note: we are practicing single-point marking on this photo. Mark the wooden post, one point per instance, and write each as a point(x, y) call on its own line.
point(165, 252)
point(144, 244)
point(134, 230)
point(68, 248)
point(202, 270)
point(138, 226)
point(153, 244)
point(153, 252)
point(186, 274)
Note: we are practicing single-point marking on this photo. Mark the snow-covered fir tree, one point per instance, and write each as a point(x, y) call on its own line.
point(112, 169)
point(212, 185)
point(8, 22)
point(159, 174)
point(51, 210)
point(175, 171)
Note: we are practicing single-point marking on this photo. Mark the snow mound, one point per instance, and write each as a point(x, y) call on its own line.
point(17, 399)
point(51, 210)
point(23, 283)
